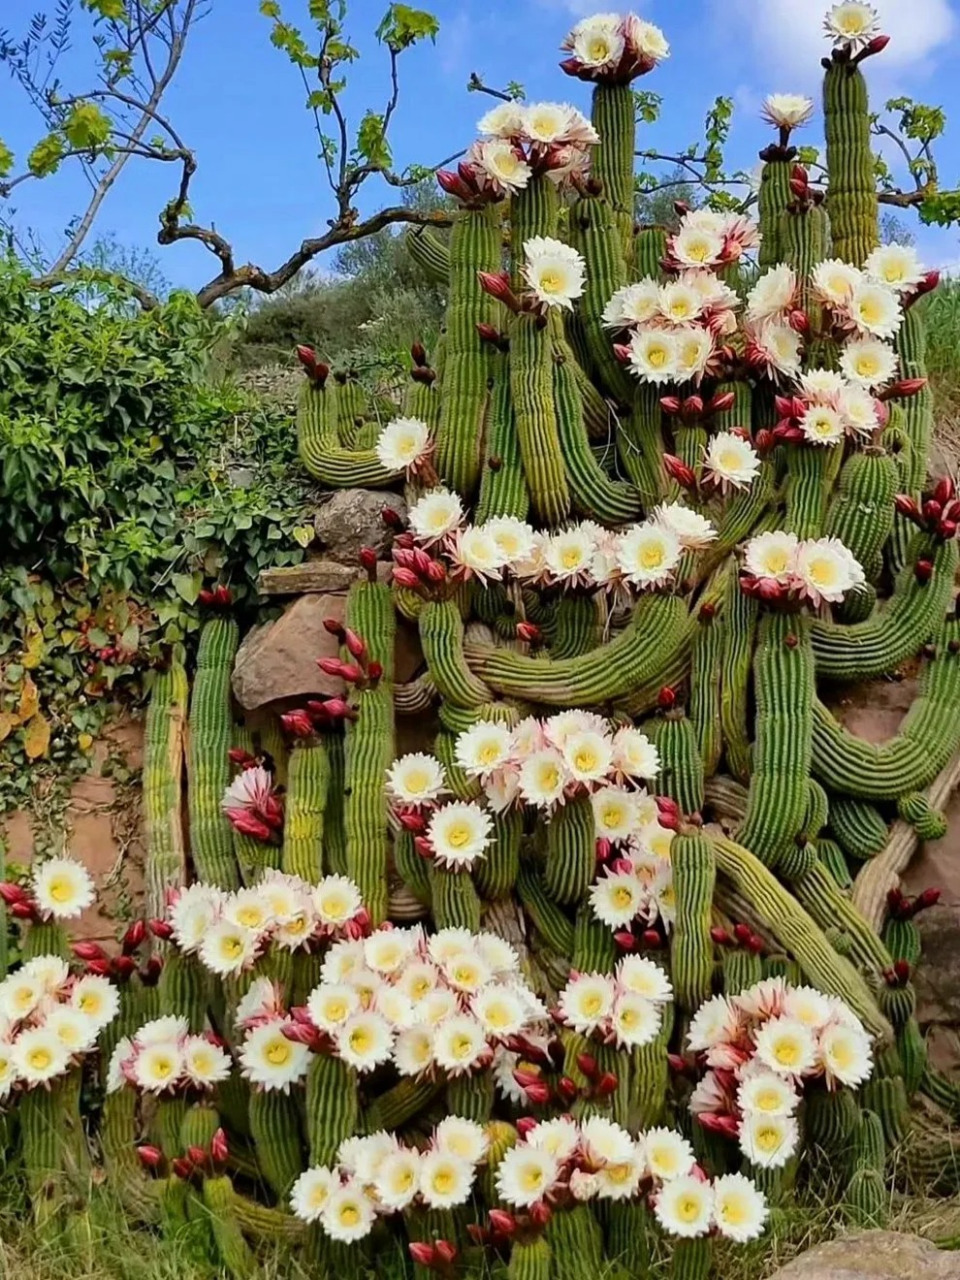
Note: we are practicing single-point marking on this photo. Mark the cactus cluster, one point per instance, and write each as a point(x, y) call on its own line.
point(656, 509)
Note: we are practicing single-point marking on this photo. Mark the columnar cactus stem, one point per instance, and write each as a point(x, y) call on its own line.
point(691, 949)
point(162, 785)
point(640, 445)
point(369, 748)
point(852, 195)
point(503, 489)
point(599, 234)
point(319, 445)
point(530, 1260)
point(706, 689)
point(331, 1107)
point(571, 857)
point(775, 195)
point(691, 1259)
point(614, 118)
point(454, 899)
point(806, 490)
point(208, 762)
point(306, 803)
point(474, 247)
point(531, 385)
point(862, 512)
point(275, 1126)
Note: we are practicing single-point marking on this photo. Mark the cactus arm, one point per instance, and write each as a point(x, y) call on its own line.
point(369, 749)
point(774, 196)
point(531, 386)
point(571, 852)
point(307, 786)
point(320, 449)
point(208, 762)
point(852, 197)
point(599, 238)
point(441, 635)
point(862, 512)
point(503, 489)
point(691, 948)
point(431, 253)
point(639, 654)
point(166, 861)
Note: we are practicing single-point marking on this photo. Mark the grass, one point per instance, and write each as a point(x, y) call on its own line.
point(942, 314)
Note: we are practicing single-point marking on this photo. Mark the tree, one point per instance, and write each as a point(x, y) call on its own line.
point(118, 116)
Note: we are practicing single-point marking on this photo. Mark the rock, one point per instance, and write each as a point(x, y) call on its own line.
point(873, 1255)
point(874, 709)
point(313, 577)
point(279, 660)
point(350, 519)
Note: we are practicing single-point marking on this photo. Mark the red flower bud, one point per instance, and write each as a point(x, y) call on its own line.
point(88, 951)
point(334, 627)
point(678, 470)
point(707, 612)
point(219, 1147)
point(445, 1251)
point(947, 529)
point(354, 645)
point(222, 595)
point(125, 966)
point(297, 723)
point(755, 944)
point(670, 405)
point(625, 940)
point(763, 440)
point(525, 1125)
point(929, 898)
point(244, 759)
point(721, 402)
point(529, 632)
point(406, 578)
point(412, 821)
point(743, 933)
point(102, 968)
point(454, 185)
point(907, 507)
point(606, 1085)
point(436, 571)
point(923, 570)
point(799, 321)
point(903, 389)
point(307, 357)
point(375, 671)
point(368, 559)
point(505, 1224)
point(720, 936)
point(497, 284)
point(902, 971)
point(651, 939)
point(692, 407)
point(11, 893)
point(540, 1213)
point(876, 45)
point(588, 1065)
point(391, 518)
point(567, 1090)
point(603, 849)
point(182, 1168)
point(728, 1126)
point(487, 333)
point(423, 847)
point(418, 354)
point(330, 666)
point(150, 1157)
point(945, 490)
point(134, 936)
point(666, 698)
point(197, 1155)
point(622, 352)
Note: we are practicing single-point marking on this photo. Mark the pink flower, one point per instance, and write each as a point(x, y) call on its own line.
point(251, 805)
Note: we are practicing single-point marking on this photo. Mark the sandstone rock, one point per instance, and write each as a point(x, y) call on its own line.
point(874, 709)
point(279, 659)
point(350, 519)
point(873, 1255)
point(313, 577)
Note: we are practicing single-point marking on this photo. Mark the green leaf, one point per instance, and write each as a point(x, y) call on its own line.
point(270, 8)
point(113, 10)
point(86, 127)
point(403, 26)
point(6, 159)
point(46, 156)
point(187, 586)
point(371, 141)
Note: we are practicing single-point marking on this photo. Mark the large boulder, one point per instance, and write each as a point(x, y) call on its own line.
point(278, 660)
point(351, 519)
point(873, 1255)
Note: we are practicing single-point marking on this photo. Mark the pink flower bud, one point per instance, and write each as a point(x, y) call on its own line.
point(219, 1147)
point(529, 632)
point(505, 1224)
point(405, 578)
point(161, 929)
point(907, 507)
point(666, 698)
point(354, 645)
point(297, 723)
point(412, 821)
point(625, 940)
point(436, 572)
point(622, 352)
point(678, 470)
point(497, 284)
point(422, 1253)
point(670, 405)
point(423, 847)
point(182, 1168)
point(445, 1251)
point(721, 402)
point(11, 893)
point(923, 570)
point(88, 951)
point(150, 1157)
point(540, 1213)
point(124, 966)
point(651, 939)
point(330, 666)
point(567, 1090)
point(728, 1126)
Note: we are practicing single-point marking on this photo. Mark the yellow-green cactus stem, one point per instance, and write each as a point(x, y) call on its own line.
point(411, 866)
point(530, 1260)
point(351, 410)
point(691, 1259)
point(941, 1090)
point(858, 827)
point(783, 684)
point(577, 1243)
point(496, 873)
point(929, 735)
point(471, 1096)
point(334, 820)
point(275, 1126)
point(649, 1076)
point(549, 920)
point(460, 784)
point(531, 386)
point(369, 749)
point(474, 247)
point(774, 196)
point(852, 197)
point(862, 511)
point(913, 1055)
point(185, 989)
point(640, 653)
point(208, 760)
point(163, 747)
point(174, 1201)
point(818, 808)
point(431, 253)
point(818, 892)
point(691, 947)
point(232, 1248)
point(307, 787)
point(503, 488)
point(741, 969)
point(571, 851)
point(125, 1173)
point(614, 115)
point(739, 627)
point(592, 492)
point(321, 452)
point(681, 766)
point(902, 940)
point(834, 861)
point(641, 447)
point(885, 1094)
point(45, 938)
point(706, 690)
point(200, 1122)
point(594, 950)
point(576, 627)
point(830, 1120)
point(332, 1107)
point(441, 635)
point(798, 932)
point(454, 899)
point(400, 1103)
point(804, 240)
point(599, 239)
point(867, 1200)
point(43, 1144)
point(929, 823)
point(806, 489)
point(649, 249)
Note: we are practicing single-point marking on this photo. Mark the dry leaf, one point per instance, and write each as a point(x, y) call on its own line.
point(36, 737)
point(29, 701)
point(8, 722)
point(33, 650)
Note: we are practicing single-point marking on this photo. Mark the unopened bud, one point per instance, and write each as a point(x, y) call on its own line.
point(666, 698)
point(182, 1168)
point(670, 405)
point(503, 1223)
point(540, 1213)
point(150, 1157)
point(297, 723)
point(678, 470)
point(334, 626)
point(720, 936)
point(606, 1085)
point(219, 1147)
point(88, 951)
point(907, 507)
point(406, 578)
point(799, 321)
point(529, 632)
point(923, 570)
point(422, 1253)
point(445, 1251)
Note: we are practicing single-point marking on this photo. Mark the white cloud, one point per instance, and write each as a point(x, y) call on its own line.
point(788, 34)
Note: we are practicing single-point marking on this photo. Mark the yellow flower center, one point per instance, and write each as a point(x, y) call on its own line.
point(767, 1100)
point(585, 759)
point(657, 356)
point(551, 280)
point(403, 1179)
point(39, 1059)
point(688, 1208)
point(24, 998)
point(622, 897)
point(232, 947)
point(598, 49)
point(664, 1163)
point(60, 888)
point(734, 1211)
point(619, 1173)
point(776, 562)
point(570, 557)
point(549, 777)
point(458, 834)
point(277, 1052)
point(336, 1009)
point(651, 555)
point(488, 753)
point(250, 917)
point(842, 1054)
point(629, 1019)
point(360, 1040)
point(497, 1015)
point(870, 311)
point(162, 1067)
point(319, 1196)
point(461, 1045)
point(443, 1181)
point(532, 1178)
point(349, 1215)
point(592, 1003)
point(867, 366)
point(768, 1137)
point(822, 572)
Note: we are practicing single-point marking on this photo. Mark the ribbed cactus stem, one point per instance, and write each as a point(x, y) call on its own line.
point(208, 762)
point(369, 749)
point(307, 787)
point(503, 489)
point(576, 1242)
point(775, 195)
point(454, 899)
point(691, 1259)
point(531, 385)
point(331, 1107)
point(185, 989)
point(474, 247)
point(471, 1096)
point(691, 949)
point(234, 1252)
point(533, 212)
point(163, 747)
point(614, 118)
point(275, 1127)
point(852, 194)
point(321, 451)
point(806, 494)
point(571, 851)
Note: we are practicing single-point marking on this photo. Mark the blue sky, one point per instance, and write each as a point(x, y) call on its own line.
point(239, 104)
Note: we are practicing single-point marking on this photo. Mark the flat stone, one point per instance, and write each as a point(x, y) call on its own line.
point(873, 1255)
point(313, 577)
point(279, 660)
point(350, 519)
point(874, 709)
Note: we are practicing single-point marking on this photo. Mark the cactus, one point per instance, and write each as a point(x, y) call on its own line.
point(208, 765)
point(691, 951)
point(852, 195)
point(307, 785)
point(275, 1126)
point(162, 785)
point(859, 829)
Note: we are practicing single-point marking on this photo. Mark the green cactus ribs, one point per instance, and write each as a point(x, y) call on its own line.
point(318, 439)
point(852, 195)
point(208, 763)
point(162, 783)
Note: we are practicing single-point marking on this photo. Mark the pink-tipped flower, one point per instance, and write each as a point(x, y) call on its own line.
point(197, 1155)
point(692, 407)
point(330, 666)
point(945, 490)
point(423, 847)
point(150, 1157)
point(436, 572)
point(11, 893)
point(454, 185)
